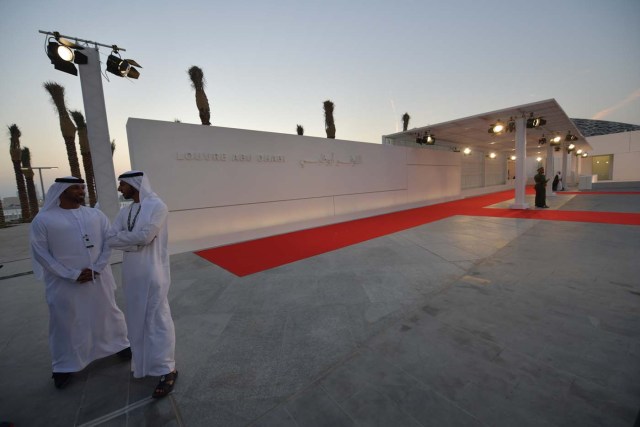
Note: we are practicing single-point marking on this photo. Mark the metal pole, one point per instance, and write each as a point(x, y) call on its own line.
point(40, 173)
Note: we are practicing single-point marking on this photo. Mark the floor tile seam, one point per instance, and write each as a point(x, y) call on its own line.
point(117, 413)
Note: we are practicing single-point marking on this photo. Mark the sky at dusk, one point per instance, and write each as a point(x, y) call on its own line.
point(269, 65)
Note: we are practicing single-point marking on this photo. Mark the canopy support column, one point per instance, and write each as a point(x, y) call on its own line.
point(521, 165)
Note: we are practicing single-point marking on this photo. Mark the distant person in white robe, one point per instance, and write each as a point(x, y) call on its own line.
point(70, 253)
point(140, 230)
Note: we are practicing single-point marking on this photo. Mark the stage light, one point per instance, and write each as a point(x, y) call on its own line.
point(585, 154)
point(513, 157)
point(534, 122)
point(511, 125)
point(63, 57)
point(122, 67)
point(429, 139)
point(492, 155)
point(570, 137)
point(538, 159)
point(579, 152)
point(497, 127)
point(556, 140)
point(571, 146)
point(542, 140)
point(466, 151)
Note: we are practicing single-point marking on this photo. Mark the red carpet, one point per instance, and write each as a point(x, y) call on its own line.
point(253, 256)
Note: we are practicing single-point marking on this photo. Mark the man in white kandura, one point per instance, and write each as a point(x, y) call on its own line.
point(70, 253)
point(140, 230)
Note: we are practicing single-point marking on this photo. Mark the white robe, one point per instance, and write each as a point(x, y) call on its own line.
point(85, 323)
point(146, 280)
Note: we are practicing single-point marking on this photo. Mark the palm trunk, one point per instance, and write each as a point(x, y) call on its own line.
point(66, 126)
point(85, 152)
point(16, 160)
point(3, 224)
point(31, 187)
point(202, 102)
point(329, 124)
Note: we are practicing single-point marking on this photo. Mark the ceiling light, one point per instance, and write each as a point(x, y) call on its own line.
point(467, 151)
point(571, 146)
point(534, 122)
point(513, 157)
point(555, 140)
point(585, 154)
point(570, 137)
point(579, 151)
point(492, 155)
point(497, 127)
point(539, 159)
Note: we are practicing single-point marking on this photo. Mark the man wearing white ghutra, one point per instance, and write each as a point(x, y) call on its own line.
point(70, 254)
point(140, 230)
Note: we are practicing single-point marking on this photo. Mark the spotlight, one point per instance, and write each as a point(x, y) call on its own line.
point(429, 139)
point(585, 154)
point(542, 140)
point(534, 122)
point(570, 137)
point(466, 151)
point(122, 67)
point(492, 155)
point(496, 128)
point(63, 56)
point(538, 159)
point(579, 152)
point(513, 157)
point(556, 140)
point(511, 125)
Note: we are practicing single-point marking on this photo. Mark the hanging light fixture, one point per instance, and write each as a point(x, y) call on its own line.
point(555, 141)
point(534, 122)
point(497, 127)
point(122, 67)
point(570, 137)
point(64, 53)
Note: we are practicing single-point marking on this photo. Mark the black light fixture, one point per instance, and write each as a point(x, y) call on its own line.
point(570, 137)
point(542, 140)
point(426, 139)
point(534, 122)
point(571, 147)
point(64, 53)
point(511, 125)
point(497, 127)
point(122, 67)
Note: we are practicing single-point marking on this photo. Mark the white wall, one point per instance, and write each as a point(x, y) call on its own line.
point(625, 148)
point(227, 185)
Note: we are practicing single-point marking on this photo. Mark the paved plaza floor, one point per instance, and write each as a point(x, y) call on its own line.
point(466, 321)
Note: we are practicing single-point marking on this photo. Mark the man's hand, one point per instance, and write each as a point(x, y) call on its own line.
point(87, 275)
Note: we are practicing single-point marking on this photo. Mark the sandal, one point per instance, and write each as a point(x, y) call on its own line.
point(165, 385)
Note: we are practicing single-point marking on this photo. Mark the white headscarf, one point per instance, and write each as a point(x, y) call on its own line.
point(140, 182)
point(52, 200)
point(57, 188)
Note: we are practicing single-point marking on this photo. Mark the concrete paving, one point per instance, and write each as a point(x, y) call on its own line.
point(461, 322)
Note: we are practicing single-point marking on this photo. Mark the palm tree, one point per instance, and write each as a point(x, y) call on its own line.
point(197, 82)
point(66, 125)
point(300, 130)
point(16, 159)
point(329, 124)
point(85, 152)
point(405, 121)
point(31, 187)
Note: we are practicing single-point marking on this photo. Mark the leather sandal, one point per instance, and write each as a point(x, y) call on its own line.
point(165, 386)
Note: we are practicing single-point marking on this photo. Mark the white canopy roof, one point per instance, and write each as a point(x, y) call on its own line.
point(473, 131)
